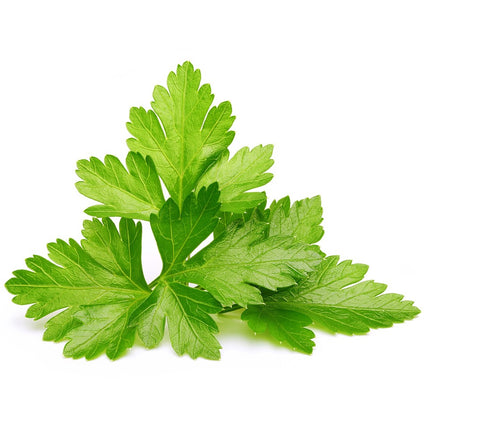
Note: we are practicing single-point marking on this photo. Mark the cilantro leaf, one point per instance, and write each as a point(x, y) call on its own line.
point(244, 171)
point(135, 193)
point(333, 298)
point(178, 234)
point(242, 258)
point(191, 328)
point(182, 134)
point(100, 282)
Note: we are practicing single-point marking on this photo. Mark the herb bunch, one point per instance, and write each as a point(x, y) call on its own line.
point(261, 261)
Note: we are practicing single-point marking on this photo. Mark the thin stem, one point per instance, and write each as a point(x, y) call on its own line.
point(230, 309)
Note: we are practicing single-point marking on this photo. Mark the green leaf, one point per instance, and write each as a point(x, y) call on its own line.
point(150, 319)
point(244, 171)
point(333, 298)
point(178, 234)
point(301, 220)
point(103, 328)
point(135, 193)
point(183, 135)
point(99, 282)
point(234, 264)
point(191, 329)
point(57, 327)
point(283, 324)
point(227, 218)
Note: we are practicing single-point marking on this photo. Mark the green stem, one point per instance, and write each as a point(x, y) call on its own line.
point(232, 308)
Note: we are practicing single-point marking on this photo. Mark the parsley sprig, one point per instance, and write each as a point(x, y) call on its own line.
point(262, 261)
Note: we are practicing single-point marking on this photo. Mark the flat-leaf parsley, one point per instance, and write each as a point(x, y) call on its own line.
point(262, 261)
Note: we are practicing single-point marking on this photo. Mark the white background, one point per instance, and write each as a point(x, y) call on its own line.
point(374, 105)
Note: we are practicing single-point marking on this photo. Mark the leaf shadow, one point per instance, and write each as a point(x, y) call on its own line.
point(29, 323)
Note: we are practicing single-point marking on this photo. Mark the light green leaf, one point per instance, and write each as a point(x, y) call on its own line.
point(333, 298)
point(244, 171)
point(135, 193)
point(301, 220)
point(150, 319)
point(234, 264)
point(191, 329)
point(183, 134)
point(103, 328)
point(227, 218)
point(57, 327)
point(178, 234)
point(99, 282)
point(283, 324)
